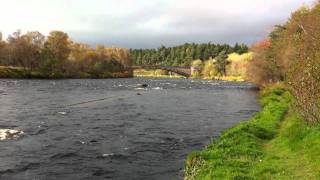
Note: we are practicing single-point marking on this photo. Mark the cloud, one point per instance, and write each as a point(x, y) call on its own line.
point(145, 23)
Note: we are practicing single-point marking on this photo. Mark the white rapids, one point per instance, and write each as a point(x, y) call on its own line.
point(9, 134)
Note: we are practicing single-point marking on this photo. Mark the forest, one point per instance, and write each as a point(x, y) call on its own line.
point(183, 55)
point(33, 55)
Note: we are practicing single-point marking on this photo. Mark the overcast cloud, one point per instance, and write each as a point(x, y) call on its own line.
point(149, 23)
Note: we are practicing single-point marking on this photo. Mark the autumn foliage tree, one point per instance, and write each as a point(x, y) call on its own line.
point(56, 51)
point(58, 56)
point(263, 68)
point(303, 37)
point(22, 51)
point(2, 50)
point(291, 54)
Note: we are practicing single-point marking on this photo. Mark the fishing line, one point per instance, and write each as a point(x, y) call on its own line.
point(95, 100)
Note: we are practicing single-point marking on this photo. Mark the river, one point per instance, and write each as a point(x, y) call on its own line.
point(112, 129)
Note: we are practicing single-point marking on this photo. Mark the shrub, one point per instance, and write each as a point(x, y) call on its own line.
point(238, 64)
point(209, 71)
point(196, 68)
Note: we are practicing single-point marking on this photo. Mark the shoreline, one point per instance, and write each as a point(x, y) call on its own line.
point(266, 146)
point(164, 74)
point(19, 73)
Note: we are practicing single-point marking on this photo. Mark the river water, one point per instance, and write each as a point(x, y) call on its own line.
point(112, 129)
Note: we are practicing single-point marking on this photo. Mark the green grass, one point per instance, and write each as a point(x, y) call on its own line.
point(275, 144)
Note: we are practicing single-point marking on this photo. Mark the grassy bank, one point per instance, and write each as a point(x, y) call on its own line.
point(164, 74)
point(225, 78)
point(20, 73)
point(155, 73)
point(275, 144)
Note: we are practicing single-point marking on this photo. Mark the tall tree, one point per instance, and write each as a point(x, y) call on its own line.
point(221, 62)
point(35, 42)
point(59, 45)
point(2, 51)
point(21, 52)
point(183, 54)
point(58, 50)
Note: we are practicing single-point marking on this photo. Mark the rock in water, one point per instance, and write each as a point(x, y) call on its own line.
point(142, 85)
point(9, 134)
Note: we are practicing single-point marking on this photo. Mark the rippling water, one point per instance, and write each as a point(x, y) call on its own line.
point(122, 132)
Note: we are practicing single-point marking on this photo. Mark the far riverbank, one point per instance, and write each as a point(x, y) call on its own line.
point(164, 74)
point(20, 73)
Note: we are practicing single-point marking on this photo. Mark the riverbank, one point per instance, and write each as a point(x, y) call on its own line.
point(155, 74)
point(20, 73)
point(226, 78)
point(275, 144)
point(164, 74)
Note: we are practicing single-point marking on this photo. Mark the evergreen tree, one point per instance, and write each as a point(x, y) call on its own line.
point(221, 62)
point(184, 54)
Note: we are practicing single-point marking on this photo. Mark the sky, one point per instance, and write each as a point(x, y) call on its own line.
point(149, 23)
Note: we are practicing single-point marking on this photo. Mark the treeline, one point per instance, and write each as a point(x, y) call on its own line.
point(184, 55)
point(291, 54)
point(58, 56)
point(223, 67)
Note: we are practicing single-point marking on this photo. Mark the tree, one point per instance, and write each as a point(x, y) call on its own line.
point(182, 55)
point(57, 56)
point(221, 63)
point(35, 38)
point(35, 42)
point(58, 50)
point(303, 60)
point(21, 52)
point(291, 54)
point(59, 45)
point(2, 51)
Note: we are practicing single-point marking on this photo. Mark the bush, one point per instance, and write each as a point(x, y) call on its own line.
point(196, 68)
point(238, 64)
point(209, 71)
